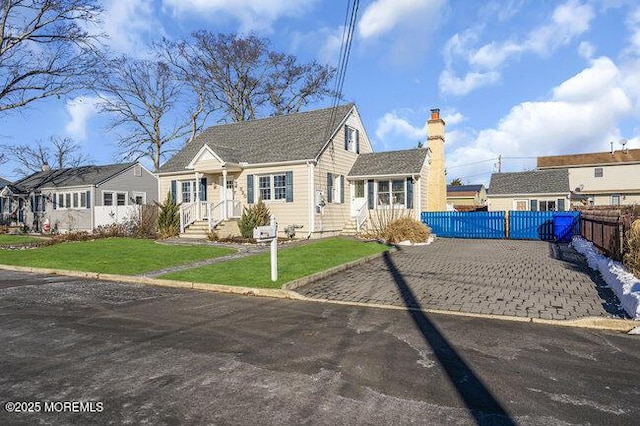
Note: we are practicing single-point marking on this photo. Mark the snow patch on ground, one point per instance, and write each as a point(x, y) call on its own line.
point(426, 243)
point(623, 283)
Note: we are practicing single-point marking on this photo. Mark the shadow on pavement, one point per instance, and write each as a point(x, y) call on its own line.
point(576, 262)
point(482, 405)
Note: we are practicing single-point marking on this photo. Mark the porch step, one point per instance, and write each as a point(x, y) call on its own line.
point(349, 228)
point(197, 230)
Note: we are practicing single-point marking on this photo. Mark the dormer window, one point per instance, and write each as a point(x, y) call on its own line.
point(351, 139)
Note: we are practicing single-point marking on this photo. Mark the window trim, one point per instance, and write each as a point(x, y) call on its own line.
point(598, 172)
point(71, 200)
point(390, 193)
point(618, 196)
point(139, 194)
point(114, 198)
point(272, 188)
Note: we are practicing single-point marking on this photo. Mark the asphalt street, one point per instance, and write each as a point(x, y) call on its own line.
point(154, 355)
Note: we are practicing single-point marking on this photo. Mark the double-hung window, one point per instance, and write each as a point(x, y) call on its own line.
point(186, 191)
point(351, 139)
point(114, 198)
point(391, 192)
point(272, 187)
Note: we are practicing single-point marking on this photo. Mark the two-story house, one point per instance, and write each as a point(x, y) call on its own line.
point(315, 170)
point(601, 178)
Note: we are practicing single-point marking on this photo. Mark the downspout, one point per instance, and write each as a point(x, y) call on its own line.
point(92, 210)
point(418, 210)
point(312, 196)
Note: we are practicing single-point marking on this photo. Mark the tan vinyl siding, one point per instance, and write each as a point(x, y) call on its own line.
point(614, 179)
point(293, 213)
point(337, 161)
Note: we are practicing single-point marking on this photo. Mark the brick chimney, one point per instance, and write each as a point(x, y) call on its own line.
point(436, 183)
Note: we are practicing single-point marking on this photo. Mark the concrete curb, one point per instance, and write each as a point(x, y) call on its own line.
point(597, 323)
point(286, 292)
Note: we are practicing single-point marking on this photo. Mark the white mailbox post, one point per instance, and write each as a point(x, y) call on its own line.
point(269, 233)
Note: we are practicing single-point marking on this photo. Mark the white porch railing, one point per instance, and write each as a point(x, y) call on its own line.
point(214, 213)
point(361, 216)
point(190, 212)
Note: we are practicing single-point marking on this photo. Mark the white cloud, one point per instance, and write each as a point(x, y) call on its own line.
point(586, 50)
point(393, 130)
point(450, 83)
point(396, 131)
point(80, 109)
point(567, 21)
point(130, 24)
point(399, 23)
point(325, 41)
point(253, 15)
point(581, 115)
point(382, 16)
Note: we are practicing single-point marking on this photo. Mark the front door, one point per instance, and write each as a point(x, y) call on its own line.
point(228, 188)
point(358, 199)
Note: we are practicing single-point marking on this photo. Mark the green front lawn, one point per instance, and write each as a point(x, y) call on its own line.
point(293, 263)
point(126, 256)
point(17, 239)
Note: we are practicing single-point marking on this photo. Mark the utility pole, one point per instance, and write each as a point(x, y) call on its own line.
point(499, 163)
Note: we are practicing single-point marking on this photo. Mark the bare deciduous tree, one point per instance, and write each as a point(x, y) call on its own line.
point(45, 49)
point(248, 80)
point(145, 99)
point(59, 153)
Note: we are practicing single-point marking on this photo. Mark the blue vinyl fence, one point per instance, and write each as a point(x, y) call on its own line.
point(466, 224)
point(516, 225)
point(546, 226)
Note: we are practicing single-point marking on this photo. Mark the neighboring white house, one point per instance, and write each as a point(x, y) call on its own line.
point(315, 170)
point(602, 178)
point(78, 198)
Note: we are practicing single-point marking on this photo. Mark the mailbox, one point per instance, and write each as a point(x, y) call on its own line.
point(264, 233)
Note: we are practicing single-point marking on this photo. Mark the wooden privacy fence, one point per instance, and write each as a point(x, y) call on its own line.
point(607, 229)
point(517, 225)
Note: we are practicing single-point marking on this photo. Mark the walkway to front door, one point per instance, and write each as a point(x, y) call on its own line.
point(533, 279)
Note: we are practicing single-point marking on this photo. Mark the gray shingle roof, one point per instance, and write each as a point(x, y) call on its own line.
point(464, 188)
point(75, 176)
point(551, 181)
point(408, 161)
point(4, 182)
point(298, 136)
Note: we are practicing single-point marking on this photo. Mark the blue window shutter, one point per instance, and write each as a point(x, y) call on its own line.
point(54, 200)
point(409, 199)
point(32, 201)
point(1, 211)
point(534, 205)
point(346, 136)
point(288, 182)
point(250, 189)
point(329, 188)
point(43, 201)
point(341, 188)
point(203, 189)
point(560, 204)
point(357, 141)
point(88, 199)
point(370, 194)
point(174, 191)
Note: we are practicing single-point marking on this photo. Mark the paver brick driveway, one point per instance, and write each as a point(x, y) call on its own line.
point(533, 279)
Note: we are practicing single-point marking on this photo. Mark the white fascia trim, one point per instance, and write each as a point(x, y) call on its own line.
point(205, 148)
point(276, 164)
point(378, 177)
point(547, 194)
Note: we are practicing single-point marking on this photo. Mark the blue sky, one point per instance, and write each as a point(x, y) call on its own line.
point(514, 78)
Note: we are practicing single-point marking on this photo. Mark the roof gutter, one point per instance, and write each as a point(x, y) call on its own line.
point(408, 174)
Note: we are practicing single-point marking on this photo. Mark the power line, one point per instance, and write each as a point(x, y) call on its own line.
point(470, 164)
